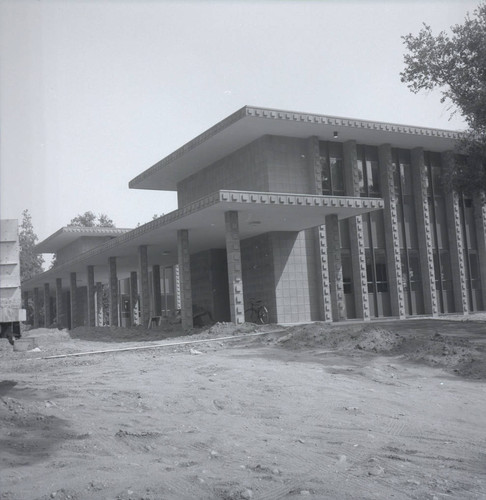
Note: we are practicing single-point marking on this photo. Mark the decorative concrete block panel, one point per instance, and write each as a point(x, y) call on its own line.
point(185, 277)
point(456, 244)
point(113, 292)
point(73, 293)
point(47, 306)
point(335, 268)
point(60, 310)
point(392, 234)
point(233, 255)
point(91, 290)
point(424, 232)
point(144, 285)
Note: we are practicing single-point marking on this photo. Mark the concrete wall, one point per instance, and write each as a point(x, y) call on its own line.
point(80, 246)
point(258, 274)
point(296, 277)
point(209, 282)
point(242, 170)
point(271, 163)
point(286, 164)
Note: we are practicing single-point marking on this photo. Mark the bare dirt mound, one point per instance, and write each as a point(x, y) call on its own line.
point(452, 353)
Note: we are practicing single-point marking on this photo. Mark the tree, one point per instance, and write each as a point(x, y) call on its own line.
point(30, 261)
point(456, 64)
point(89, 219)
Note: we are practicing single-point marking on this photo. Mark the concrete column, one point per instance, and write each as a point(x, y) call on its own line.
point(392, 233)
point(144, 285)
point(356, 234)
point(233, 258)
point(157, 291)
point(335, 268)
point(185, 277)
point(36, 308)
point(47, 306)
point(60, 312)
point(25, 300)
point(456, 243)
point(90, 290)
point(74, 300)
point(99, 304)
point(113, 292)
point(134, 312)
point(315, 175)
point(177, 287)
point(424, 231)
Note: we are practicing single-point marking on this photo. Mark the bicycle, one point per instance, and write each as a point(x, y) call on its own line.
point(257, 312)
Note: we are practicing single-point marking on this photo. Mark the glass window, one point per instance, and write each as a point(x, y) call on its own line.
point(372, 171)
point(337, 175)
point(347, 272)
point(414, 269)
point(336, 167)
point(381, 274)
point(474, 271)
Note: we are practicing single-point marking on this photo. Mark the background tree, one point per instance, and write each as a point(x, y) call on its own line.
point(455, 63)
point(30, 261)
point(89, 219)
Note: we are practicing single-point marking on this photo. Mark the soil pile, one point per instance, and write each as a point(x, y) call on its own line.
point(452, 353)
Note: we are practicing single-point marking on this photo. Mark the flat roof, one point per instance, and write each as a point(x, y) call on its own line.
point(249, 123)
point(259, 212)
point(68, 234)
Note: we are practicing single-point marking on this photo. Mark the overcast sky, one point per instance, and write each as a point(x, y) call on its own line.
point(94, 92)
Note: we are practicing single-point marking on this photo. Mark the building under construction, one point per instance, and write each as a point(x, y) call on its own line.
point(320, 218)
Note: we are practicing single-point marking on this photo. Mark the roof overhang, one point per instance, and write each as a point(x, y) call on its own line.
point(249, 123)
point(67, 235)
point(259, 213)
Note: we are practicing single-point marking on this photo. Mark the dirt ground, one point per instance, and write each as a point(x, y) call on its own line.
point(370, 411)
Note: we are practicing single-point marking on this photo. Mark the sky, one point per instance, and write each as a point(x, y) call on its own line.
point(92, 93)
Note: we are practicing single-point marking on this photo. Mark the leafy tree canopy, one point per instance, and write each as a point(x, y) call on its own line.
point(30, 261)
point(89, 219)
point(455, 63)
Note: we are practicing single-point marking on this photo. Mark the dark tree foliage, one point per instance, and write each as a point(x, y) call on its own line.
point(455, 63)
point(30, 261)
point(89, 219)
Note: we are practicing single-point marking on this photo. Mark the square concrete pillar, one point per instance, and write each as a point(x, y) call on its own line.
point(25, 300)
point(47, 306)
point(456, 243)
point(99, 304)
point(392, 232)
point(233, 258)
point(356, 233)
point(73, 289)
point(177, 287)
point(36, 308)
point(113, 292)
point(90, 290)
point(335, 268)
point(134, 310)
point(60, 312)
point(144, 285)
point(424, 231)
point(185, 277)
point(157, 290)
point(315, 176)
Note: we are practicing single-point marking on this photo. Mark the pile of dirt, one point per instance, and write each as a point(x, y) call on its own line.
point(454, 354)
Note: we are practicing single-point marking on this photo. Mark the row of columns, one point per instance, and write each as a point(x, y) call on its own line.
point(94, 298)
point(330, 252)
